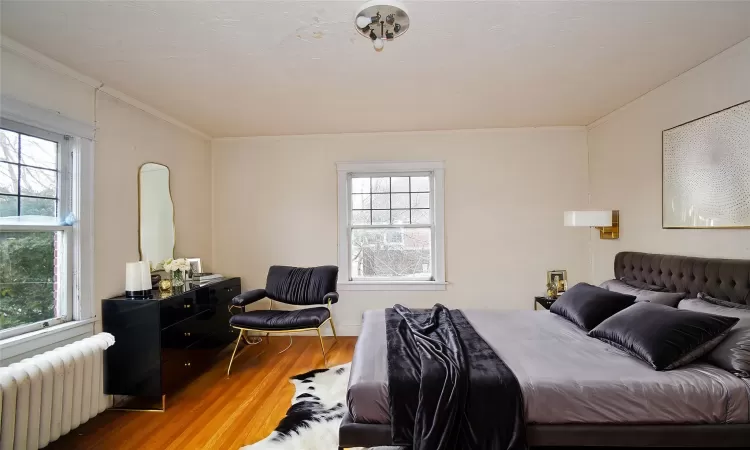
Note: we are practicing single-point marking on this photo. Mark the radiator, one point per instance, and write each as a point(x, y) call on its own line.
point(46, 396)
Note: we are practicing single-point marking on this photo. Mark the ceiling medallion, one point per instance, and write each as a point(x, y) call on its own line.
point(381, 20)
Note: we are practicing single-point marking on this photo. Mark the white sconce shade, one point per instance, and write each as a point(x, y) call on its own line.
point(588, 218)
point(607, 222)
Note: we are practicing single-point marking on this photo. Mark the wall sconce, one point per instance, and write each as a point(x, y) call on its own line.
point(607, 222)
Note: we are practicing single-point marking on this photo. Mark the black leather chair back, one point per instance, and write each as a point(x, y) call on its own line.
point(301, 285)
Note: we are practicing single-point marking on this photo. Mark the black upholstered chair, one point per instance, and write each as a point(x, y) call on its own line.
point(298, 286)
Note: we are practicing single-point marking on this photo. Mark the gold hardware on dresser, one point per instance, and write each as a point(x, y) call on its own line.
point(166, 341)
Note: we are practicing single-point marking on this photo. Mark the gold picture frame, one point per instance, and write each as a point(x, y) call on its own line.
point(559, 279)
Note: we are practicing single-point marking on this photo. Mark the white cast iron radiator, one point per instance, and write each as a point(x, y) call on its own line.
point(44, 397)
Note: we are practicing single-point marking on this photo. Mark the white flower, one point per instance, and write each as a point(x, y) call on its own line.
point(174, 265)
point(168, 265)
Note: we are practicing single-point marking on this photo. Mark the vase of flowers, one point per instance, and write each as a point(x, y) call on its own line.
point(177, 268)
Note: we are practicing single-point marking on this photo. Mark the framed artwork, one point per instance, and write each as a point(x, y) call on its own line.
point(706, 171)
point(558, 279)
point(195, 265)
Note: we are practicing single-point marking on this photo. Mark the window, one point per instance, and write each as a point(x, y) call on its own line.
point(390, 224)
point(36, 257)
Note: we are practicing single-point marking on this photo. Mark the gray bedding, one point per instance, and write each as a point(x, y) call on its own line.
point(565, 376)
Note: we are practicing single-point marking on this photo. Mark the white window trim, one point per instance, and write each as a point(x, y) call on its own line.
point(438, 200)
point(82, 241)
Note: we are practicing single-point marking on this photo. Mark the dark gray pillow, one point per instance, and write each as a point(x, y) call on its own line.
point(733, 353)
point(663, 336)
point(643, 285)
point(587, 306)
point(720, 302)
point(644, 295)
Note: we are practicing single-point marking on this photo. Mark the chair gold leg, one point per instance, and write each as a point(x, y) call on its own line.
point(333, 328)
point(239, 338)
point(322, 348)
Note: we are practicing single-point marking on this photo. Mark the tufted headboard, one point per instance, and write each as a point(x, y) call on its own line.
point(726, 279)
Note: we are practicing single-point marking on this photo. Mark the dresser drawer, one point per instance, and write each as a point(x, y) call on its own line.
point(223, 293)
point(179, 369)
point(177, 309)
point(221, 337)
point(185, 333)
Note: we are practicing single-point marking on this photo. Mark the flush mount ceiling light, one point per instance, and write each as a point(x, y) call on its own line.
point(381, 20)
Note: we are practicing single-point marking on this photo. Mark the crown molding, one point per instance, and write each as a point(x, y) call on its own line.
point(61, 69)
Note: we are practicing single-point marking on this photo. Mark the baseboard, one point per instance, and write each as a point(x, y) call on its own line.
point(348, 330)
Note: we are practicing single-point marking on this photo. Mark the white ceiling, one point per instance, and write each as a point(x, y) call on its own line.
point(242, 68)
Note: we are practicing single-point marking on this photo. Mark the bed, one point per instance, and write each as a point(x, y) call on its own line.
point(579, 391)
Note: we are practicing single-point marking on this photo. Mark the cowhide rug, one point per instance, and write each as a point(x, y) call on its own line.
point(318, 406)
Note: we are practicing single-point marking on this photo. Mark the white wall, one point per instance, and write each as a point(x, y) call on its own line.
point(126, 137)
point(275, 202)
point(625, 171)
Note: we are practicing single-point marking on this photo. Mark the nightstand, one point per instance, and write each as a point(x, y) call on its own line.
point(544, 301)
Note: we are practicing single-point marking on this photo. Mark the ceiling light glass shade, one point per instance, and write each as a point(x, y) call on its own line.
point(363, 21)
point(588, 218)
point(378, 44)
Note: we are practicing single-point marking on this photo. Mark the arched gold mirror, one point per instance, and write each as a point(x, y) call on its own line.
point(156, 231)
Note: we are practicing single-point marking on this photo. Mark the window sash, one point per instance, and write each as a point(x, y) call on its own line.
point(431, 226)
point(394, 174)
point(64, 196)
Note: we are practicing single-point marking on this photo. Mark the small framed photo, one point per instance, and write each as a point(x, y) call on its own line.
point(558, 279)
point(195, 266)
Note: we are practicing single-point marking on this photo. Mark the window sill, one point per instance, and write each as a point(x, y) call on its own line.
point(46, 337)
point(392, 286)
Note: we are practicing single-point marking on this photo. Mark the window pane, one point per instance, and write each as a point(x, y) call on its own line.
point(381, 217)
point(8, 206)
point(27, 278)
point(391, 253)
point(420, 216)
point(361, 217)
point(420, 184)
point(381, 201)
point(400, 184)
point(360, 201)
point(400, 201)
point(381, 184)
point(38, 152)
point(8, 146)
point(38, 207)
point(39, 182)
point(8, 178)
point(360, 185)
point(400, 216)
point(420, 200)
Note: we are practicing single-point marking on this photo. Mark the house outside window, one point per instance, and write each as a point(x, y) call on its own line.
point(391, 225)
point(40, 241)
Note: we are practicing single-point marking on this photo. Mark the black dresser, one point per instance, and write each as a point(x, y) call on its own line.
point(164, 342)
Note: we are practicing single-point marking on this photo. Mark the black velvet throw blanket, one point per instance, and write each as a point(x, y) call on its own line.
point(448, 390)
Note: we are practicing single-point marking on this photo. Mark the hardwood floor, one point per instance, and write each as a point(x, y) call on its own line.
point(215, 411)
